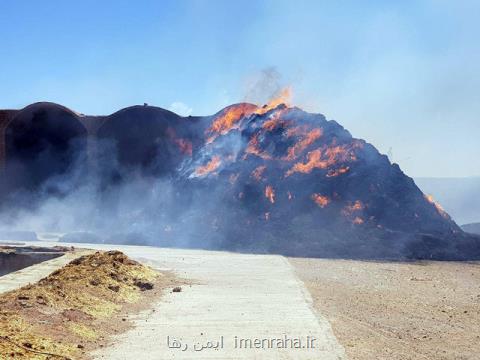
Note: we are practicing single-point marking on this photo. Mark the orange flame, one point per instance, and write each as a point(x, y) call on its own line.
point(283, 98)
point(320, 200)
point(351, 208)
point(271, 124)
point(357, 206)
point(318, 160)
point(184, 145)
point(313, 161)
point(229, 119)
point(275, 121)
point(211, 166)
point(310, 137)
point(337, 172)
point(258, 172)
point(296, 131)
point(270, 194)
point(438, 207)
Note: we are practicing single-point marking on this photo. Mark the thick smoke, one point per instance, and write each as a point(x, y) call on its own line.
point(271, 179)
point(109, 203)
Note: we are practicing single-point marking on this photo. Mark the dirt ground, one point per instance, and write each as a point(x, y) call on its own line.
point(385, 310)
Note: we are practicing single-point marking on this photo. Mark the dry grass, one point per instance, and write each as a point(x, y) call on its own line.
point(63, 315)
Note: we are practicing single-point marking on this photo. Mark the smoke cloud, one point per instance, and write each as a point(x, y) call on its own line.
point(262, 86)
point(138, 209)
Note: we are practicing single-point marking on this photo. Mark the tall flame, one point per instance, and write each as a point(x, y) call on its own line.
point(283, 98)
point(230, 117)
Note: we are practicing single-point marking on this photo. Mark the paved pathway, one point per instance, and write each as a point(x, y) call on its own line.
point(238, 307)
point(237, 298)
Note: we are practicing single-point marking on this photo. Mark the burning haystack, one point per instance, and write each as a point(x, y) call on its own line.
point(302, 185)
point(270, 178)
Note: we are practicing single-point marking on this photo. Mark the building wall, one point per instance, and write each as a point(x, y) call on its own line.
point(91, 123)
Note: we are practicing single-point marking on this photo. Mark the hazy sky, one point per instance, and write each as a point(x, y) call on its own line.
point(403, 74)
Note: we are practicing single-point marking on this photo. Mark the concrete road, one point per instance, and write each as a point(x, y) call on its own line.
point(238, 307)
point(33, 273)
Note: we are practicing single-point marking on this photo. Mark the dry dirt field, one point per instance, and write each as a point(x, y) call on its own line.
point(386, 310)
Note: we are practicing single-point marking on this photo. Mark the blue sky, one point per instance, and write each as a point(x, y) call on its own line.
point(404, 75)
